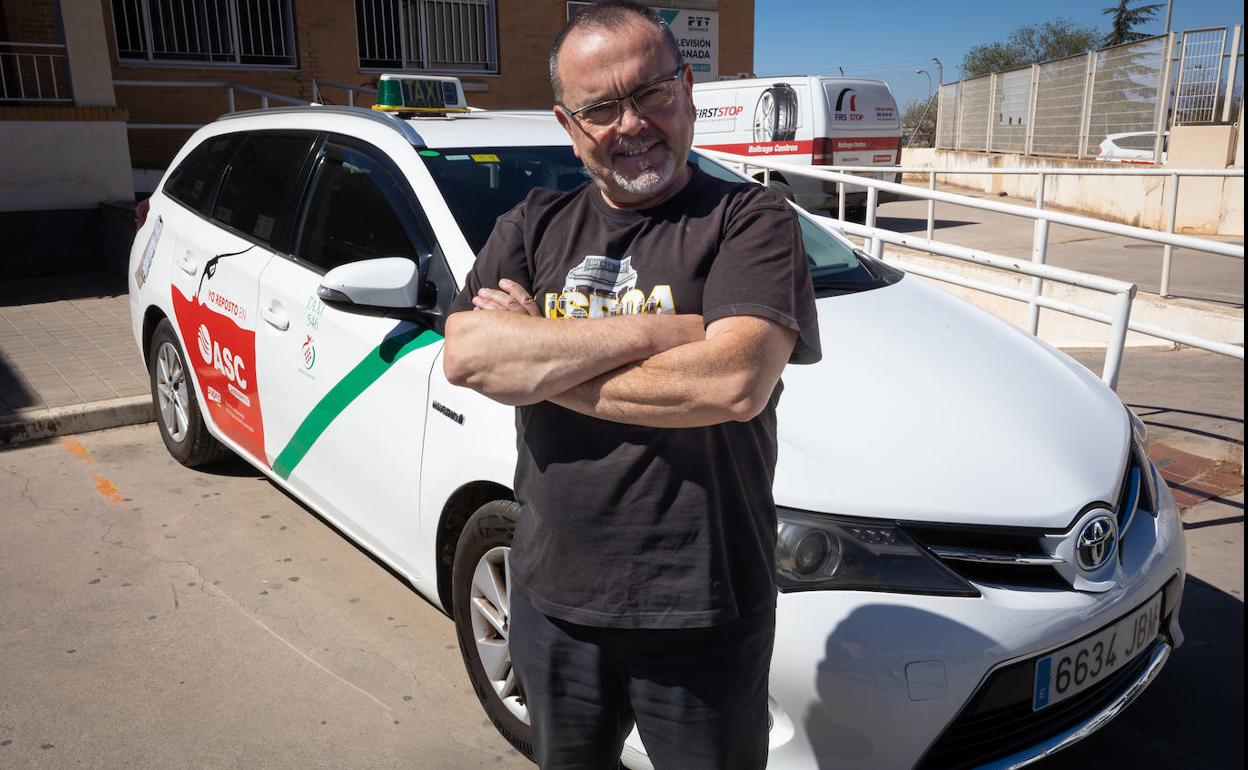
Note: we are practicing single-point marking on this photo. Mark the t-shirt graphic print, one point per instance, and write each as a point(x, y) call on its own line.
point(603, 286)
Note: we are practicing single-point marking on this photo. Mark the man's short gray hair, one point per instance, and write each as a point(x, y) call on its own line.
point(610, 16)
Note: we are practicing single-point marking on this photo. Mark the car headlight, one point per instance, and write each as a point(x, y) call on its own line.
point(821, 552)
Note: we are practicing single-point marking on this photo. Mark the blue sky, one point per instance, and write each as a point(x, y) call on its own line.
point(890, 40)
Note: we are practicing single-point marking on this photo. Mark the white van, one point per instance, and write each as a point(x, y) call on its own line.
point(808, 120)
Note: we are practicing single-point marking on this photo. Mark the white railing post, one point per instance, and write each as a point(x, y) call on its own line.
point(1117, 337)
point(1039, 251)
point(877, 245)
point(1163, 98)
point(1040, 190)
point(229, 99)
point(1167, 251)
point(840, 201)
point(350, 97)
point(931, 207)
point(766, 177)
point(264, 102)
point(1230, 74)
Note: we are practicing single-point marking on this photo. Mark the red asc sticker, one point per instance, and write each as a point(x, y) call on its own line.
point(223, 355)
point(886, 158)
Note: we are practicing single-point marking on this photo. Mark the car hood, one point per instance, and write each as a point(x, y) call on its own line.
point(926, 408)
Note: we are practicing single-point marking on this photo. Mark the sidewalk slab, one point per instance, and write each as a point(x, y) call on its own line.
point(68, 361)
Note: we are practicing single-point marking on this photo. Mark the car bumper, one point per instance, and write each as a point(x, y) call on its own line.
point(871, 680)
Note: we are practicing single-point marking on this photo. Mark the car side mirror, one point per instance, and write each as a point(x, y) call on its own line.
point(387, 282)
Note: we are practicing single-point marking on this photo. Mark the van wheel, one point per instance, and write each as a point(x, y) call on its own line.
point(173, 395)
point(481, 605)
point(782, 188)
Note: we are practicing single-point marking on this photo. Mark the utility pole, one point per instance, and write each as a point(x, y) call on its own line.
point(1168, 4)
point(940, 72)
point(927, 106)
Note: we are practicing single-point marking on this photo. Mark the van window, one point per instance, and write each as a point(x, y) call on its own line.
point(353, 212)
point(856, 104)
point(257, 186)
point(194, 181)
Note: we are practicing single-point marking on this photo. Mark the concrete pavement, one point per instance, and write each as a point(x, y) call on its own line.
point(153, 616)
point(1194, 275)
point(68, 362)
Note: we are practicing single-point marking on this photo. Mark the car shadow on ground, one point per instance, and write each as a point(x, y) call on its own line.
point(1192, 717)
point(52, 288)
point(14, 392)
point(915, 225)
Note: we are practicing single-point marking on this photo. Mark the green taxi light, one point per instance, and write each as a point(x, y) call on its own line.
point(420, 93)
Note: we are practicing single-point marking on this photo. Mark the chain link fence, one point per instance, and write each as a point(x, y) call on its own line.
point(1069, 107)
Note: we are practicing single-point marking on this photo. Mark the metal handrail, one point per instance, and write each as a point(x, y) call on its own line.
point(350, 89)
point(1041, 173)
point(230, 89)
point(32, 69)
point(1119, 320)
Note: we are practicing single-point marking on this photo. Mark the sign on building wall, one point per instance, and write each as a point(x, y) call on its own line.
point(696, 32)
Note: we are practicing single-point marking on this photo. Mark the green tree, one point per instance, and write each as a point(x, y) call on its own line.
point(918, 123)
point(1124, 20)
point(1029, 44)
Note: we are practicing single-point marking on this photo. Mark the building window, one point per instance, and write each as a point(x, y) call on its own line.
point(213, 32)
point(430, 35)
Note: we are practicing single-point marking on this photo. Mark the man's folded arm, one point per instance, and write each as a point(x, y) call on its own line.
point(728, 376)
point(520, 359)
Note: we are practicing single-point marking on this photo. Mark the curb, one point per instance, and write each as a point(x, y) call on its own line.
point(36, 424)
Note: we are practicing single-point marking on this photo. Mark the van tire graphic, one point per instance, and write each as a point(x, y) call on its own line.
point(775, 115)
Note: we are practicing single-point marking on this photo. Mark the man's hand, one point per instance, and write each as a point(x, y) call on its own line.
point(509, 296)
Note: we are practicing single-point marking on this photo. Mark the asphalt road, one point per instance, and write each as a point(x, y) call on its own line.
point(155, 617)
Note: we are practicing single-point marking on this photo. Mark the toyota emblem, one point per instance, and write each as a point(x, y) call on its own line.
point(1095, 543)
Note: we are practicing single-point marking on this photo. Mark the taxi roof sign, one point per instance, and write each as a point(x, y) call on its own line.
point(420, 93)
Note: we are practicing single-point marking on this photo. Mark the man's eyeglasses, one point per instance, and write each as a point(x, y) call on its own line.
point(651, 97)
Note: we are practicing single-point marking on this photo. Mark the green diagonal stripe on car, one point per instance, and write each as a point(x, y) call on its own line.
point(396, 345)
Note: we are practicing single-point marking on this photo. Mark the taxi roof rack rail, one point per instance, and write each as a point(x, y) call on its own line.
point(406, 129)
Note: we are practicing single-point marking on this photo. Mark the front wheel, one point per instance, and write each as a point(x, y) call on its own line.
point(481, 604)
point(173, 395)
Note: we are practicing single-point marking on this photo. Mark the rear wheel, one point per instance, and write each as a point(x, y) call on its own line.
point(173, 395)
point(481, 604)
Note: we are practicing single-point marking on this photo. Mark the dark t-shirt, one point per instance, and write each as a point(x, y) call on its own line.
point(626, 526)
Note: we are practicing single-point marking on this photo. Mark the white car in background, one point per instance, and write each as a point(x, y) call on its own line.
point(1132, 147)
point(978, 564)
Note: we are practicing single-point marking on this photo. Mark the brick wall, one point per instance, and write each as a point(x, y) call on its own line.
point(29, 21)
point(325, 32)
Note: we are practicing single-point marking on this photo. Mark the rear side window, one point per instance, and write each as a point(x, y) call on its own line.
point(357, 210)
point(257, 187)
point(195, 179)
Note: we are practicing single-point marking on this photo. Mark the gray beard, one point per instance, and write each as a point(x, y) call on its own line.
point(650, 181)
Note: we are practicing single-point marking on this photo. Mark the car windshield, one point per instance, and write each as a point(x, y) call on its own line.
point(480, 184)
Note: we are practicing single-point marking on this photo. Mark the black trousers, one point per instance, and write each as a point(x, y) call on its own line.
point(698, 696)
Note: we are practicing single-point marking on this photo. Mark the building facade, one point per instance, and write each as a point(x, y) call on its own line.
point(173, 61)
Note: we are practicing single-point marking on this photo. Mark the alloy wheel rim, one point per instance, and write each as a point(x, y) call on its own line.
point(172, 398)
point(490, 612)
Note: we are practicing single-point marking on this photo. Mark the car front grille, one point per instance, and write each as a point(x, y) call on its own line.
point(991, 555)
point(999, 720)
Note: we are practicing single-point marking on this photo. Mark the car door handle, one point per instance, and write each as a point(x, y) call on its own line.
point(275, 315)
point(188, 263)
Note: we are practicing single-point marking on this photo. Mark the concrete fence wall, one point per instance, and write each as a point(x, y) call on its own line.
point(1208, 206)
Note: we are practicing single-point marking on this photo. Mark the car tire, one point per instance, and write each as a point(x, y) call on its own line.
point(173, 398)
point(782, 188)
point(482, 618)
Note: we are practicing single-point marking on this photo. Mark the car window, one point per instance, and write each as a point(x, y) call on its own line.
point(258, 184)
point(480, 184)
point(353, 212)
point(832, 262)
point(195, 179)
point(1137, 141)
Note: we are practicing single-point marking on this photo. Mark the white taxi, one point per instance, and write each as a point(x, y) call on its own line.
point(978, 563)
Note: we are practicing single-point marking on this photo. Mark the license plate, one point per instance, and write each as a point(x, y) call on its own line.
point(1075, 668)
